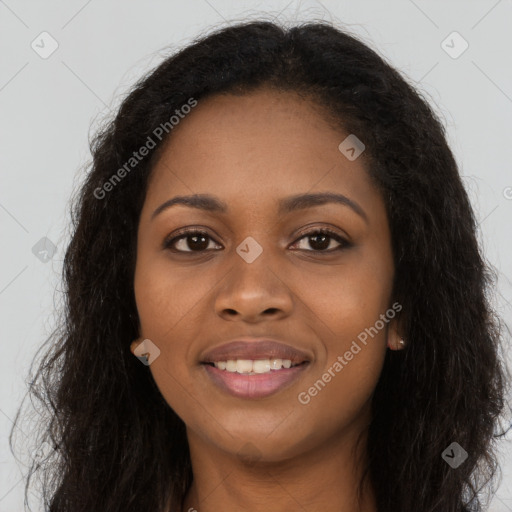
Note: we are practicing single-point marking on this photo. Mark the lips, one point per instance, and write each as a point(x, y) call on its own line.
point(255, 349)
point(250, 387)
point(275, 366)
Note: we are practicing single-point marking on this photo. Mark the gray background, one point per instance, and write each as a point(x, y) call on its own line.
point(49, 106)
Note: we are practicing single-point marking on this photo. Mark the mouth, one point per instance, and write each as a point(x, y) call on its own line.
point(254, 369)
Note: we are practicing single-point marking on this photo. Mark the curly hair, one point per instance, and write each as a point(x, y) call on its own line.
point(113, 443)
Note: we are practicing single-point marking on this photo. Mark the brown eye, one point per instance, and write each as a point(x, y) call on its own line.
point(320, 240)
point(189, 241)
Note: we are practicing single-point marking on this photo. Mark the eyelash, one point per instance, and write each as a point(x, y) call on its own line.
point(168, 242)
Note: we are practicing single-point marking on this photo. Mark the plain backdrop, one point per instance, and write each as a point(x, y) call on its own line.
point(50, 104)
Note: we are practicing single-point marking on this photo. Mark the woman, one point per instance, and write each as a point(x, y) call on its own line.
point(275, 296)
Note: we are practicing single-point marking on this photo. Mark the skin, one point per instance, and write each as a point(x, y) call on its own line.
point(274, 453)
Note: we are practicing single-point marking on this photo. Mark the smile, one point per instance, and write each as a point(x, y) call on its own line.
point(252, 379)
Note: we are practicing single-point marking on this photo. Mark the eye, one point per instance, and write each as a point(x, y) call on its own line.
point(194, 240)
point(320, 240)
point(189, 240)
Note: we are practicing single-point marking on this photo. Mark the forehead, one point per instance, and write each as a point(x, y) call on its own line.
point(254, 148)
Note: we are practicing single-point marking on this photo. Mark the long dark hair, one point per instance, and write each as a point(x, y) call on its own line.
point(113, 443)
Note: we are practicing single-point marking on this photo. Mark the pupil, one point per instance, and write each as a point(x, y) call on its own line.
point(323, 244)
point(203, 244)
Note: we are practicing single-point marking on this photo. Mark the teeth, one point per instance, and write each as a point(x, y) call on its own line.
point(244, 366)
point(230, 365)
point(276, 364)
point(253, 367)
point(261, 366)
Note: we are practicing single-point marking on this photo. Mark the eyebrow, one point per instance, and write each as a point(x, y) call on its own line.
point(286, 205)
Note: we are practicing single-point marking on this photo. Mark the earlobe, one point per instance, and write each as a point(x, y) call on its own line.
point(134, 344)
point(396, 345)
point(394, 340)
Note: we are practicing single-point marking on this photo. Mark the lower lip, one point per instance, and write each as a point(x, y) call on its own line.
point(254, 386)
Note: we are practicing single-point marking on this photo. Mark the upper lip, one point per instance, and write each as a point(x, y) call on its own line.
point(255, 348)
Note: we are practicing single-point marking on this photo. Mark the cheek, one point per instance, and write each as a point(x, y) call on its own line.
point(348, 298)
point(167, 298)
point(340, 389)
point(164, 312)
point(346, 310)
point(170, 305)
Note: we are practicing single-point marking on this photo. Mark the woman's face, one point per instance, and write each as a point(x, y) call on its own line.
point(260, 270)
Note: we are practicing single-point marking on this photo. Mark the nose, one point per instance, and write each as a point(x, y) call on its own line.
point(254, 292)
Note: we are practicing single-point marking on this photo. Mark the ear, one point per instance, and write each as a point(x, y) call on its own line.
point(134, 344)
point(394, 340)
